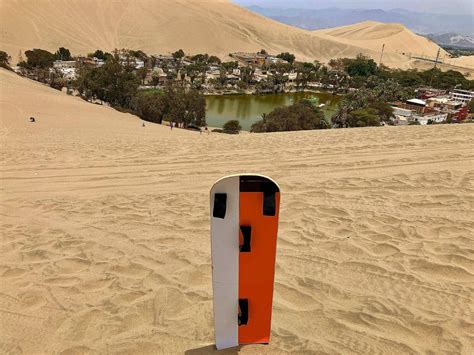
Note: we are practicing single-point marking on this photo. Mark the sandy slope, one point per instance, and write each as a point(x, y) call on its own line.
point(105, 233)
point(213, 26)
point(370, 34)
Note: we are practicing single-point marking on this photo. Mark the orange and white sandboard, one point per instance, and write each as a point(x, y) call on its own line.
point(244, 227)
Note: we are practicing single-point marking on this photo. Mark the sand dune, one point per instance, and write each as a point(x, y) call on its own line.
point(105, 233)
point(214, 26)
point(397, 39)
point(372, 35)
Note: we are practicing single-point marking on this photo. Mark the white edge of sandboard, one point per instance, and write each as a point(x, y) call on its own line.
point(225, 264)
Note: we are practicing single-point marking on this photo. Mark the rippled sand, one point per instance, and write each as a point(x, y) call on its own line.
point(105, 244)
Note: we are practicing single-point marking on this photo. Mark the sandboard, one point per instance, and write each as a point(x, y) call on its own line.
point(244, 227)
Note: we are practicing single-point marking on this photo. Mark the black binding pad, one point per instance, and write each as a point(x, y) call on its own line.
point(220, 205)
point(247, 235)
point(261, 184)
point(269, 203)
point(243, 311)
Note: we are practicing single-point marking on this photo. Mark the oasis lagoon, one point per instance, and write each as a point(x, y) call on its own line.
point(249, 108)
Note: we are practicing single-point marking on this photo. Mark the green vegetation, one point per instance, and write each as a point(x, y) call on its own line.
point(113, 82)
point(63, 54)
point(179, 54)
point(364, 118)
point(214, 60)
point(433, 77)
point(361, 66)
point(5, 60)
point(149, 106)
point(38, 59)
point(297, 117)
point(458, 51)
point(100, 55)
point(471, 106)
point(174, 104)
point(187, 107)
point(232, 127)
point(117, 82)
point(138, 54)
point(357, 108)
point(290, 58)
point(367, 88)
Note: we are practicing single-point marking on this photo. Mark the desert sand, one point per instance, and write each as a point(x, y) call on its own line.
point(105, 239)
point(214, 26)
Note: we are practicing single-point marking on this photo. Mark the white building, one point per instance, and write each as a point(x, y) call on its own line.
point(64, 64)
point(433, 118)
point(66, 68)
point(462, 95)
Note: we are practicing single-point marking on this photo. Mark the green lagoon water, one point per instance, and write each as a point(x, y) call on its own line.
point(249, 108)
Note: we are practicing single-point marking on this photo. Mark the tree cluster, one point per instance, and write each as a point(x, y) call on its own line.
point(232, 127)
point(367, 107)
point(5, 60)
point(117, 83)
point(113, 82)
point(99, 54)
point(174, 104)
point(297, 117)
point(290, 58)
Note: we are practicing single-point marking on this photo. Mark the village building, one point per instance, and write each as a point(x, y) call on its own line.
point(164, 59)
point(64, 64)
point(158, 73)
point(66, 67)
point(256, 60)
point(416, 105)
point(86, 61)
point(292, 78)
point(462, 95)
point(425, 93)
point(444, 103)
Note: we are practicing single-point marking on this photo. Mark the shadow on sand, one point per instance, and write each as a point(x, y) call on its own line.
point(211, 349)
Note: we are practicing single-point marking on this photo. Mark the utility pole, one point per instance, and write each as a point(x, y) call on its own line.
point(437, 57)
point(434, 69)
point(381, 54)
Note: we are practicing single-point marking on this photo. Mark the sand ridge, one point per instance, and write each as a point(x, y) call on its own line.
point(105, 233)
point(213, 26)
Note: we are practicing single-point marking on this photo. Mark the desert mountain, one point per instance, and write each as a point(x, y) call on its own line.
point(213, 26)
point(372, 35)
point(419, 22)
point(453, 39)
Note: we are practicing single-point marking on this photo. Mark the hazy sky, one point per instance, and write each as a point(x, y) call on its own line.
point(429, 6)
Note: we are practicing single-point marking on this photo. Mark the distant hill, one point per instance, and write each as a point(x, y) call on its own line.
point(423, 23)
point(453, 40)
point(213, 26)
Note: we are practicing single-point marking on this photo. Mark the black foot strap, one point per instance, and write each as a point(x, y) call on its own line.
point(247, 237)
point(269, 202)
point(220, 205)
point(243, 311)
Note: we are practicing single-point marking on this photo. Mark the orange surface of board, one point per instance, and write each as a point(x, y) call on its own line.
point(257, 268)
